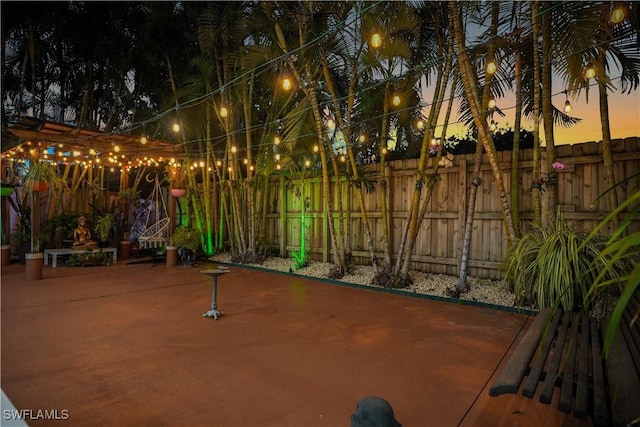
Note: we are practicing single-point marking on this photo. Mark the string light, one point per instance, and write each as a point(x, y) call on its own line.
point(492, 102)
point(420, 124)
point(143, 140)
point(590, 71)
point(396, 100)
point(376, 40)
point(224, 112)
point(491, 67)
point(567, 104)
point(618, 14)
point(176, 128)
point(233, 149)
point(286, 84)
point(276, 140)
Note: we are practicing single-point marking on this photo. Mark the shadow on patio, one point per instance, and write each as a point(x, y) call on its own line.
point(126, 345)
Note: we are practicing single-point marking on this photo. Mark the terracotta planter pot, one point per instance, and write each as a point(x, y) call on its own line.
point(6, 191)
point(5, 253)
point(172, 256)
point(125, 249)
point(178, 192)
point(34, 262)
point(38, 186)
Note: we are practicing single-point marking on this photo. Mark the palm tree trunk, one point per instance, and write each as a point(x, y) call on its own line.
point(417, 217)
point(537, 196)
point(481, 113)
point(468, 78)
point(607, 151)
point(547, 106)
point(515, 153)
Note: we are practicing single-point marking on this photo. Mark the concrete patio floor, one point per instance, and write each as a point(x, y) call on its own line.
point(126, 346)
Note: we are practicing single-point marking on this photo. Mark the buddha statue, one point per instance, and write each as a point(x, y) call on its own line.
point(82, 236)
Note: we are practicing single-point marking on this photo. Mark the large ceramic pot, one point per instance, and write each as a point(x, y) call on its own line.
point(125, 249)
point(39, 186)
point(178, 192)
point(172, 256)
point(5, 255)
point(35, 262)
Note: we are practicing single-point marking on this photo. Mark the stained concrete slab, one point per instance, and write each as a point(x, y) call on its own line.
point(126, 345)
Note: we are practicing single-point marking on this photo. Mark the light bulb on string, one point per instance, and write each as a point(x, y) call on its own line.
point(276, 140)
point(590, 71)
point(143, 139)
point(224, 112)
point(567, 104)
point(491, 67)
point(618, 14)
point(286, 84)
point(376, 39)
point(396, 100)
point(491, 103)
point(234, 149)
point(362, 138)
point(176, 128)
point(420, 124)
point(315, 148)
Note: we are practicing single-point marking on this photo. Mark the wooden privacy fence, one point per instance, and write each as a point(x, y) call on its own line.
point(439, 240)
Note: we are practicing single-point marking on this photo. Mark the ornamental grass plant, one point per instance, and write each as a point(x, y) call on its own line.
point(555, 265)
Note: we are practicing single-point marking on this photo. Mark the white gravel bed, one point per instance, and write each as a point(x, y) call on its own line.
point(441, 285)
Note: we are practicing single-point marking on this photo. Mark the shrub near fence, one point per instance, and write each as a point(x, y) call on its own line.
point(439, 240)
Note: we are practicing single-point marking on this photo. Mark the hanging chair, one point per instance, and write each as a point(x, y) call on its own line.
point(155, 235)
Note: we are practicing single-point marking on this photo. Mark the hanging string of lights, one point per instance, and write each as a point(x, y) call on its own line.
point(114, 158)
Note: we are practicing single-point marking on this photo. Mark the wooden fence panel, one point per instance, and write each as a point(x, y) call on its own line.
point(439, 240)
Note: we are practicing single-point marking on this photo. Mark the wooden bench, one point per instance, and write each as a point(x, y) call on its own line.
point(55, 253)
point(564, 350)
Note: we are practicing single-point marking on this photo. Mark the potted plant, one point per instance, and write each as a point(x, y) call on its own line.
point(41, 175)
point(105, 225)
point(178, 179)
point(187, 240)
point(6, 188)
